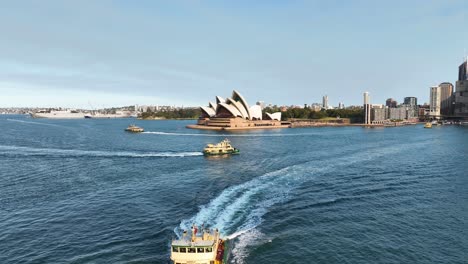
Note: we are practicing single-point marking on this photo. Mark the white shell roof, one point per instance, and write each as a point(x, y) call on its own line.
point(219, 100)
point(236, 96)
point(233, 110)
point(212, 105)
point(208, 111)
point(256, 112)
point(239, 107)
point(274, 116)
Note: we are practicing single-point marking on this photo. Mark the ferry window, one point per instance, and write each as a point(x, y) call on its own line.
point(191, 250)
point(209, 249)
point(175, 249)
point(183, 250)
point(200, 250)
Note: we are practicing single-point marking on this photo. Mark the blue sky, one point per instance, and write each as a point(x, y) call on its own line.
point(107, 53)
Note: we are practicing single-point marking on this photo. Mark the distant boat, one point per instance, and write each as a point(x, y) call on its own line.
point(74, 114)
point(134, 129)
point(428, 125)
point(61, 114)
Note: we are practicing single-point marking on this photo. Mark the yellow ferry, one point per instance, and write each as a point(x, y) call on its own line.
point(205, 247)
point(223, 147)
point(428, 125)
point(135, 129)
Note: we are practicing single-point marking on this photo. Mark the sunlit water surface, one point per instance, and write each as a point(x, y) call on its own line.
point(84, 191)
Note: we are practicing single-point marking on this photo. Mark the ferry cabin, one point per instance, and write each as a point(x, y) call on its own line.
point(197, 249)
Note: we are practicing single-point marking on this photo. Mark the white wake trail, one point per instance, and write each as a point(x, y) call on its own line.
point(34, 123)
point(239, 210)
point(28, 151)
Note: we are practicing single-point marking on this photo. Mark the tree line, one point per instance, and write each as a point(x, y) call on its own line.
point(181, 113)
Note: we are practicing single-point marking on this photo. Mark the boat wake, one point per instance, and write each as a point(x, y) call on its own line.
point(34, 123)
point(229, 135)
point(27, 151)
point(239, 210)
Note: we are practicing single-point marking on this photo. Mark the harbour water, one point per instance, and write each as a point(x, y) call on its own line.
point(84, 191)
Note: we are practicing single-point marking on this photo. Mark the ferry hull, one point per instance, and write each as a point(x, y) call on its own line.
point(206, 153)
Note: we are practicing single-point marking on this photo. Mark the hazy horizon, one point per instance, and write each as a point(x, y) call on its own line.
point(112, 53)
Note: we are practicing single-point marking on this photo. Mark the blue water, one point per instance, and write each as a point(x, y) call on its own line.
point(84, 191)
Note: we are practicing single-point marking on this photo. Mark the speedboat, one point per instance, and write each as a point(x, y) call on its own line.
point(428, 125)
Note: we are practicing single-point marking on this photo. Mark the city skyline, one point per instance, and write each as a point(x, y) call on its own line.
point(116, 53)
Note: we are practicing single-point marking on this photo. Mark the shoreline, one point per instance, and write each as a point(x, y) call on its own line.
point(163, 118)
point(202, 127)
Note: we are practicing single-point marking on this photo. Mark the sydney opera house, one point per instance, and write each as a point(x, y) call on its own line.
point(235, 113)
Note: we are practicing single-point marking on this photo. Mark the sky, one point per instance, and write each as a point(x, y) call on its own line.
point(86, 53)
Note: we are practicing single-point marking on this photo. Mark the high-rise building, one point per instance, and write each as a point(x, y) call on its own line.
point(461, 92)
point(325, 102)
point(410, 101)
point(397, 113)
point(367, 108)
point(434, 104)
point(391, 103)
point(463, 71)
point(446, 98)
point(411, 104)
point(379, 115)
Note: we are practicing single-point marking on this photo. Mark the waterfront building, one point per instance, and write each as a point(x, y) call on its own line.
point(446, 98)
point(379, 115)
point(410, 101)
point(461, 91)
point(411, 113)
point(377, 106)
point(434, 104)
point(411, 104)
point(423, 111)
point(325, 102)
point(391, 103)
point(397, 113)
point(235, 113)
point(367, 108)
